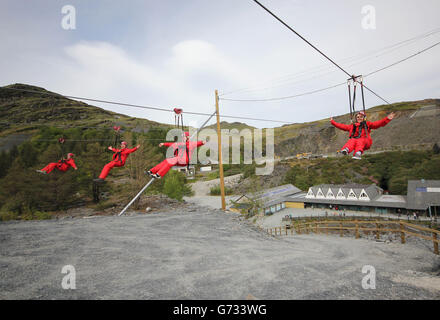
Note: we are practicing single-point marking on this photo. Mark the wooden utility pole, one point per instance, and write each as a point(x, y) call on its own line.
point(220, 163)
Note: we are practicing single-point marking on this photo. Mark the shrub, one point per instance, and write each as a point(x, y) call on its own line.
point(215, 191)
point(175, 187)
point(8, 215)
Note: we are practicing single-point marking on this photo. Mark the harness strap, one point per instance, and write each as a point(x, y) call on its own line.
point(349, 98)
point(118, 155)
point(364, 126)
point(362, 91)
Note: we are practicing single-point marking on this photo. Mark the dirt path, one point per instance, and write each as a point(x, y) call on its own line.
point(202, 188)
point(201, 192)
point(198, 253)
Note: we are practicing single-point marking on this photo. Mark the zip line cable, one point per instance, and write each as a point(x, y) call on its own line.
point(286, 79)
point(71, 140)
point(291, 29)
point(285, 97)
point(323, 54)
point(336, 85)
point(249, 100)
point(245, 100)
point(140, 106)
point(407, 58)
point(303, 78)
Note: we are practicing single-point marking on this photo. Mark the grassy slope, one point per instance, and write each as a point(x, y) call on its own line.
point(22, 112)
point(25, 111)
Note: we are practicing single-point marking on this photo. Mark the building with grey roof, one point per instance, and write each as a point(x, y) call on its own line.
point(267, 201)
point(423, 196)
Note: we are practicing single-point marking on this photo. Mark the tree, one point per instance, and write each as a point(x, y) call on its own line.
point(28, 154)
point(174, 186)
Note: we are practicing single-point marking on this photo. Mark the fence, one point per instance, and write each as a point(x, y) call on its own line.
point(358, 226)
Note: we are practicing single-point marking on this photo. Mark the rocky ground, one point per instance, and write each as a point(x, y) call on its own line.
point(195, 252)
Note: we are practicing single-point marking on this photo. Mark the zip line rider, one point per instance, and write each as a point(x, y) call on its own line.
point(182, 156)
point(62, 165)
point(118, 160)
point(359, 138)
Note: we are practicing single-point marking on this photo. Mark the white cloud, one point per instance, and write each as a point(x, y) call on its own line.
point(103, 70)
point(201, 46)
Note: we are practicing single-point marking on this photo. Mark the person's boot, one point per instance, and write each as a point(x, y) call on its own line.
point(357, 155)
point(99, 180)
point(148, 172)
point(41, 171)
point(344, 151)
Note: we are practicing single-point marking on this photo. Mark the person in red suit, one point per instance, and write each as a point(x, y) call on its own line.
point(118, 160)
point(63, 165)
point(182, 156)
point(359, 138)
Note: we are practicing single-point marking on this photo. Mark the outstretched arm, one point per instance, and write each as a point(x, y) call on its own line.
point(72, 163)
point(133, 149)
point(391, 116)
point(383, 122)
point(166, 144)
point(340, 126)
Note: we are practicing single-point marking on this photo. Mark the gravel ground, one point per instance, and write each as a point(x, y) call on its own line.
point(200, 253)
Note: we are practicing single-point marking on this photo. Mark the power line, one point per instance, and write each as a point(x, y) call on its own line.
point(400, 61)
point(286, 79)
point(337, 65)
point(337, 85)
point(69, 140)
point(74, 126)
point(141, 106)
point(308, 42)
point(286, 97)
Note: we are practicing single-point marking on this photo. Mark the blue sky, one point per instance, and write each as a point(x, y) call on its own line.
point(176, 53)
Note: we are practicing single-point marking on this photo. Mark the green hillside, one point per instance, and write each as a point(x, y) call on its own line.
point(24, 112)
point(416, 126)
point(32, 121)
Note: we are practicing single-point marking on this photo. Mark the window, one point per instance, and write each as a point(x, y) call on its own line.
point(310, 194)
point(364, 196)
point(330, 194)
point(351, 195)
point(341, 194)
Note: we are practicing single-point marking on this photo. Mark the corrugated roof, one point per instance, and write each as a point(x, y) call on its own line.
point(386, 204)
point(272, 196)
point(421, 194)
point(372, 190)
point(277, 192)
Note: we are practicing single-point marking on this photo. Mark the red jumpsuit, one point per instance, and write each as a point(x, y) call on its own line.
point(363, 142)
point(119, 157)
point(181, 156)
point(62, 165)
